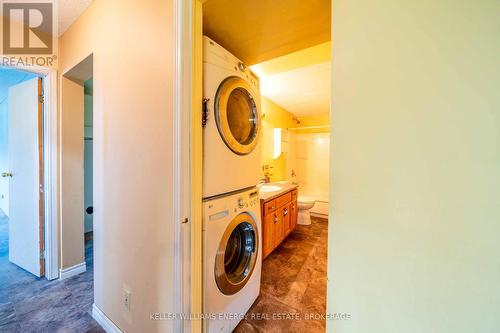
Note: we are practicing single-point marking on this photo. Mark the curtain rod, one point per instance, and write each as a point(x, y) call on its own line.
point(308, 127)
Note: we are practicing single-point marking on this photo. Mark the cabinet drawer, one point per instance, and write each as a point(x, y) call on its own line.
point(284, 199)
point(269, 207)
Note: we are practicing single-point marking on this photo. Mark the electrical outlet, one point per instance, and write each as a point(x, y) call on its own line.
point(126, 299)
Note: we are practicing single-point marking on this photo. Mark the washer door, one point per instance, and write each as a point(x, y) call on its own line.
point(237, 115)
point(237, 254)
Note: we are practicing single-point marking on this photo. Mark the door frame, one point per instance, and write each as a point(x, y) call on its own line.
point(50, 160)
point(188, 159)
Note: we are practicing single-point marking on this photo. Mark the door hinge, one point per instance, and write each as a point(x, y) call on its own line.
point(41, 188)
point(204, 115)
point(41, 99)
point(42, 255)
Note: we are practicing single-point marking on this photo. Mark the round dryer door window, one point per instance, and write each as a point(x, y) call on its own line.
point(237, 254)
point(237, 115)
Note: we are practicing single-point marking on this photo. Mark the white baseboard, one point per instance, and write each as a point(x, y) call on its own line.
point(104, 321)
point(65, 273)
point(324, 216)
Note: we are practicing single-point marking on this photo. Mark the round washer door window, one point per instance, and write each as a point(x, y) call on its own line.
point(237, 254)
point(237, 115)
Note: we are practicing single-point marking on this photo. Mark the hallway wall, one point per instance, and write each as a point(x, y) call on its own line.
point(415, 167)
point(133, 154)
point(72, 222)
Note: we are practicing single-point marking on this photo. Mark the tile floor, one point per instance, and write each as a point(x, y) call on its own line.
point(30, 304)
point(293, 282)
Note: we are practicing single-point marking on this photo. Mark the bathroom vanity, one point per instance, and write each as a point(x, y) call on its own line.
point(279, 214)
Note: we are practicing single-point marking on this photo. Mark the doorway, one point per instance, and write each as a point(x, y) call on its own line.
point(76, 119)
point(88, 169)
point(308, 131)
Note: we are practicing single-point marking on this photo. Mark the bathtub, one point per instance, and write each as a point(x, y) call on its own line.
point(320, 208)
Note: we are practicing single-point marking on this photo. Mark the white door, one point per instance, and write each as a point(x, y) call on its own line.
point(25, 220)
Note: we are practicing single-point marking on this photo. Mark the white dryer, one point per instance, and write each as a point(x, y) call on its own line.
point(231, 120)
point(232, 258)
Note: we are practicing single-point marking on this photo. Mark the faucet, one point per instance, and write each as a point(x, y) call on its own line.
point(294, 177)
point(267, 174)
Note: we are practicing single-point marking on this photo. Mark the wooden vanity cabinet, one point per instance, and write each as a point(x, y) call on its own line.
point(268, 230)
point(279, 218)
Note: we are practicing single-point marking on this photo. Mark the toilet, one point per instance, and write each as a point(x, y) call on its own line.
point(305, 203)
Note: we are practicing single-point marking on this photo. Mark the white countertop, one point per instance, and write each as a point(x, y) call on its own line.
point(274, 189)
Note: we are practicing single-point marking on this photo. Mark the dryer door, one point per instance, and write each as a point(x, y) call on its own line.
point(237, 254)
point(237, 115)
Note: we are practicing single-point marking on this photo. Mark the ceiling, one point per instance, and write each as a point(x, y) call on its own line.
point(299, 82)
point(69, 11)
point(259, 30)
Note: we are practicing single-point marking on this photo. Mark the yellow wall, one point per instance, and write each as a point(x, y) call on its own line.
point(314, 55)
point(414, 246)
point(132, 48)
point(322, 122)
point(72, 209)
point(319, 120)
point(274, 117)
point(277, 117)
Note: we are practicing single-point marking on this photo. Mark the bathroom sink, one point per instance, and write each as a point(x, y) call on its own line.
point(269, 188)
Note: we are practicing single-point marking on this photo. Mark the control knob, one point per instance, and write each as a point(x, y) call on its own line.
point(241, 202)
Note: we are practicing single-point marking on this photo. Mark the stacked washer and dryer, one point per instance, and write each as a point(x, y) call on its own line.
point(231, 207)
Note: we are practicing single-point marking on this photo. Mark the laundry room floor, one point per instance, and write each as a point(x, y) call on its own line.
point(293, 283)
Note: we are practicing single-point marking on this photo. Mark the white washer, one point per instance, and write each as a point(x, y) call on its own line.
point(232, 124)
point(232, 258)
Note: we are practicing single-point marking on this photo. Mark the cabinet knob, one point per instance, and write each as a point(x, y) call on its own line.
point(275, 218)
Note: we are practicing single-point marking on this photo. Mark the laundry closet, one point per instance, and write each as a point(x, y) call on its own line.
point(266, 105)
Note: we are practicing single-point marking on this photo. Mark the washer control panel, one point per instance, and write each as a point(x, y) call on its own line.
point(247, 201)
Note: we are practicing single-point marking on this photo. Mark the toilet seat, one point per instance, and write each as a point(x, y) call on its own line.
point(306, 200)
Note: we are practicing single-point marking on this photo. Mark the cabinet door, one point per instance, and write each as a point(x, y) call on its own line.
point(279, 230)
point(293, 215)
point(287, 226)
point(283, 224)
point(268, 234)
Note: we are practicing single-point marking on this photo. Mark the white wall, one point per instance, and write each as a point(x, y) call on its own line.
point(308, 157)
point(414, 244)
point(312, 151)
